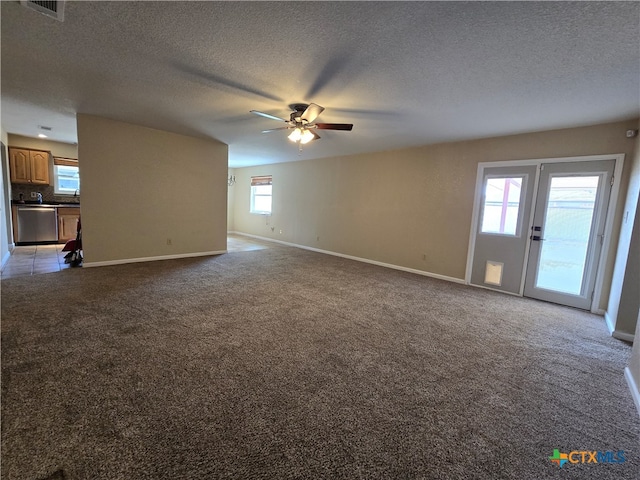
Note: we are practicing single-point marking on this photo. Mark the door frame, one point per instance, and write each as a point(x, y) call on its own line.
point(608, 228)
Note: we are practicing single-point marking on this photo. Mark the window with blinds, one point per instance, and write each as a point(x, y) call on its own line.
point(261, 195)
point(66, 176)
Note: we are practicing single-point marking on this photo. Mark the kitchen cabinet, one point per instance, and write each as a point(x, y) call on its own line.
point(68, 223)
point(29, 166)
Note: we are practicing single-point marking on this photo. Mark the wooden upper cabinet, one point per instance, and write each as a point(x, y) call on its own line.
point(19, 165)
point(29, 166)
point(39, 167)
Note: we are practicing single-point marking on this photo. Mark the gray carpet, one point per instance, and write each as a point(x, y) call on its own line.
point(287, 364)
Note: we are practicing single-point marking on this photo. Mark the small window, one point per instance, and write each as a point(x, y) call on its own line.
point(261, 195)
point(501, 207)
point(66, 180)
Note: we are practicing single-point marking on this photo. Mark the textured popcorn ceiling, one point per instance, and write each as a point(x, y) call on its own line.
point(404, 73)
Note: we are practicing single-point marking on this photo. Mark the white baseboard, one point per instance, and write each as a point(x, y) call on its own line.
point(635, 393)
point(609, 322)
point(627, 337)
point(357, 259)
point(151, 259)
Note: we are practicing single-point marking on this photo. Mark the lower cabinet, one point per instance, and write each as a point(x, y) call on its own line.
point(68, 223)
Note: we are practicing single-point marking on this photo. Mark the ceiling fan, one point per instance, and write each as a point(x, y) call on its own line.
point(301, 121)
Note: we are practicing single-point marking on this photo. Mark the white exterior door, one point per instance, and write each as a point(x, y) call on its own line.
point(567, 231)
point(539, 227)
point(502, 228)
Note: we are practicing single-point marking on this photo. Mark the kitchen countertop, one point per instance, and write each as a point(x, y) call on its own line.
point(36, 205)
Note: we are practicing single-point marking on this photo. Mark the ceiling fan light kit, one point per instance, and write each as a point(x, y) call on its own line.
point(301, 135)
point(301, 121)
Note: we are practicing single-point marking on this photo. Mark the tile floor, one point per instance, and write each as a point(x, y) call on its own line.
point(240, 243)
point(37, 259)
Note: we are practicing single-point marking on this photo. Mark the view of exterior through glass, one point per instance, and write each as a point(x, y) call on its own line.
point(501, 205)
point(566, 232)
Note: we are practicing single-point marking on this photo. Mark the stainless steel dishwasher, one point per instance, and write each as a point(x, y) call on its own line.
point(37, 224)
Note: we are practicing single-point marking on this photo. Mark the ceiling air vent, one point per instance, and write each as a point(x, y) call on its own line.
point(54, 9)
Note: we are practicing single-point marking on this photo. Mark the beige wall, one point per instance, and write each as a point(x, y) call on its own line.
point(400, 206)
point(142, 186)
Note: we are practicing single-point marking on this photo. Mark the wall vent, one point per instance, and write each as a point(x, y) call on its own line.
point(53, 9)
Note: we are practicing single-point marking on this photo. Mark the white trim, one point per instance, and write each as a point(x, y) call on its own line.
point(609, 321)
point(627, 337)
point(151, 259)
point(477, 200)
point(532, 214)
point(539, 161)
point(633, 387)
point(357, 259)
point(608, 228)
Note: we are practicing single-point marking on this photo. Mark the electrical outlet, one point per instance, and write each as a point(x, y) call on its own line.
point(168, 241)
point(280, 231)
point(34, 194)
point(273, 228)
point(318, 238)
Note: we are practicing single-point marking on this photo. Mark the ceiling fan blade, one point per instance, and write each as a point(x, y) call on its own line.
point(334, 126)
point(266, 115)
point(276, 129)
point(312, 112)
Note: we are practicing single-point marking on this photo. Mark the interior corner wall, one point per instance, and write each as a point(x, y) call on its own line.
point(624, 301)
point(6, 237)
point(411, 207)
point(634, 366)
point(148, 194)
point(626, 318)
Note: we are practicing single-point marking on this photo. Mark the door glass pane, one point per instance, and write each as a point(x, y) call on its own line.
point(501, 205)
point(566, 232)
